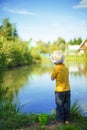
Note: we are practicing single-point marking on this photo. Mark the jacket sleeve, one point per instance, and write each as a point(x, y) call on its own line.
point(53, 75)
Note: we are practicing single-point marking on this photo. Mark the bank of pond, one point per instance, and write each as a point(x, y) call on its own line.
point(11, 118)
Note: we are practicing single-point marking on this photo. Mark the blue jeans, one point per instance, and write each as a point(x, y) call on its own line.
point(62, 100)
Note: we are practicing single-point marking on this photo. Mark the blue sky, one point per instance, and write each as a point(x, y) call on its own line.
point(46, 20)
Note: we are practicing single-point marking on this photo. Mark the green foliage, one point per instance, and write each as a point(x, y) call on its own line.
point(7, 30)
point(67, 127)
point(52, 116)
point(59, 41)
point(61, 44)
point(18, 53)
point(2, 71)
point(11, 118)
point(52, 48)
point(79, 41)
point(36, 55)
point(75, 41)
point(75, 111)
point(42, 47)
point(2, 62)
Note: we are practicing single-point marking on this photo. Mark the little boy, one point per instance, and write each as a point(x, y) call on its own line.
point(62, 92)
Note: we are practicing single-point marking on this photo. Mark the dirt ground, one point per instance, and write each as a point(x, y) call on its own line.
point(35, 127)
point(47, 127)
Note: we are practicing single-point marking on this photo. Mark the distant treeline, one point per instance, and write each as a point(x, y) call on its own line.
point(16, 51)
point(19, 52)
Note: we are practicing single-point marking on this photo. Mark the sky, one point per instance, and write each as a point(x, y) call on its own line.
point(46, 20)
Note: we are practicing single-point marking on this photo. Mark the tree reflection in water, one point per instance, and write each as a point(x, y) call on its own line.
point(31, 82)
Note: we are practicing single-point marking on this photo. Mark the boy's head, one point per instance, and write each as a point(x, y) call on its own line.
point(57, 57)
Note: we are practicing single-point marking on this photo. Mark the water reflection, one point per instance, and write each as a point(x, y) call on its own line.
point(33, 88)
point(17, 78)
point(77, 68)
point(78, 81)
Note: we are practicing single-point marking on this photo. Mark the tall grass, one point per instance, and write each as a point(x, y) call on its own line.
point(11, 118)
point(75, 111)
point(76, 58)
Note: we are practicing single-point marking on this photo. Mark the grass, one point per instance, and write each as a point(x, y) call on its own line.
point(76, 58)
point(12, 119)
point(78, 122)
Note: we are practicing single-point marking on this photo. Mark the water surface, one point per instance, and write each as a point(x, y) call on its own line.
point(32, 87)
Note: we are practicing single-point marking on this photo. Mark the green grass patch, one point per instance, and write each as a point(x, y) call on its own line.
point(12, 119)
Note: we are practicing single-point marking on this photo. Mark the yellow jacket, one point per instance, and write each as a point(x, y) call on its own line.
point(61, 74)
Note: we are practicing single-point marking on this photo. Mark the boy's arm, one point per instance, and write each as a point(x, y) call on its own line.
point(53, 75)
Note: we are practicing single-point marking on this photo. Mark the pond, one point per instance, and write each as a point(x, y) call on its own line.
point(33, 89)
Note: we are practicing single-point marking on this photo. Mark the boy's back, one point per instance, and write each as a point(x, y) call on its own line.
point(61, 74)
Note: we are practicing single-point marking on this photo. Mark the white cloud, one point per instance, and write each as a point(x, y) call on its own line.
point(23, 12)
point(82, 4)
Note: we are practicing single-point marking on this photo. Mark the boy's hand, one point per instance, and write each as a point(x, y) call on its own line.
point(52, 78)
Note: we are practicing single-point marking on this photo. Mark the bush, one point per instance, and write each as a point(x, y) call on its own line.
point(3, 62)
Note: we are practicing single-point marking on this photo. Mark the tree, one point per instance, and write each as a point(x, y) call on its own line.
point(7, 30)
point(2, 62)
point(2, 70)
point(42, 47)
point(79, 41)
point(70, 42)
point(75, 41)
point(14, 32)
point(60, 42)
